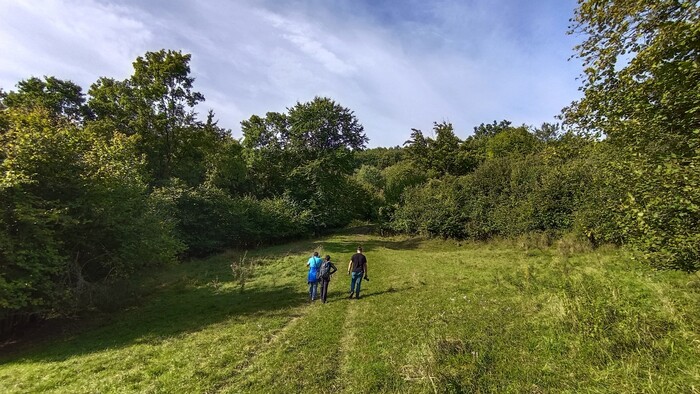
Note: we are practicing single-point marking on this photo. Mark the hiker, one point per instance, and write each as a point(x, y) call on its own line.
point(358, 267)
point(327, 269)
point(314, 265)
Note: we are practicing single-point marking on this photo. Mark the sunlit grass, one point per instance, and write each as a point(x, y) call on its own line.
point(436, 316)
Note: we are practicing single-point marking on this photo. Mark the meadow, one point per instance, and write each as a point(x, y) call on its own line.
point(436, 316)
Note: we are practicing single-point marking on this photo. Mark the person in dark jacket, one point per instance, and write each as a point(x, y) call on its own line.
point(358, 268)
point(327, 269)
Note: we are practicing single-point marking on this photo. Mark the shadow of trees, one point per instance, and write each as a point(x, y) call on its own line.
point(173, 312)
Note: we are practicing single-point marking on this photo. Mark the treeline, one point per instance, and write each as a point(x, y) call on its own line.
point(500, 181)
point(626, 170)
point(97, 187)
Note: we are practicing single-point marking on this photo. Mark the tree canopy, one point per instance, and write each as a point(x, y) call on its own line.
point(641, 89)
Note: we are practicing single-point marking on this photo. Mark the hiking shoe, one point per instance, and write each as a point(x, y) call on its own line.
point(351, 294)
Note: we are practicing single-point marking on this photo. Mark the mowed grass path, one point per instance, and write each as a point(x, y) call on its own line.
point(437, 316)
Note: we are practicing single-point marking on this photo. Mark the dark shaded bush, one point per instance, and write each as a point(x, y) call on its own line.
point(75, 213)
point(504, 196)
point(208, 219)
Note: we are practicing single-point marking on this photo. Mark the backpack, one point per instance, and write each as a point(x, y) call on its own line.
point(324, 272)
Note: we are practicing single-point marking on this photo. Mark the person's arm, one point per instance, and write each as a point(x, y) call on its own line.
point(349, 266)
point(333, 269)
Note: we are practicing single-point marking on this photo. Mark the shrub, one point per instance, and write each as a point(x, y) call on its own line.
point(208, 219)
point(75, 213)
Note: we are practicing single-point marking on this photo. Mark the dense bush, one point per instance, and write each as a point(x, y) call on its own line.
point(208, 219)
point(507, 196)
point(664, 212)
point(647, 107)
point(398, 178)
point(75, 212)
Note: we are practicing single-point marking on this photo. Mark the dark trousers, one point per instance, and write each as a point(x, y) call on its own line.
point(324, 289)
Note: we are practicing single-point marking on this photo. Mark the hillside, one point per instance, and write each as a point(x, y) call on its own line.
point(436, 316)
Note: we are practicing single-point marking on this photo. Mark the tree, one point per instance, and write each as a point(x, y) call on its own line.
point(513, 140)
point(439, 156)
point(641, 88)
point(61, 98)
point(418, 150)
point(200, 145)
point(307, 154)
point(487, 130)
point(114, 106)
point(323, 137)
point(227, 168)
point(75, 212)
point(445, 150)
point(322, 125)
point(158, 103)
point(269, 161)
point(547, 132)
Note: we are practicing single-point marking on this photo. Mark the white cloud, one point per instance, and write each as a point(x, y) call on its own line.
point(465, 62)
point(302, 35)
point(69, 39)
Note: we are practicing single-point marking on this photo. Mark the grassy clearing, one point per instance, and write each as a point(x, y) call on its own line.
point(437, 316)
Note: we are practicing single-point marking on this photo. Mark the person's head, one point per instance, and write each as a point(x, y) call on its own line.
point(315, 254)
point(328, 258)
point(359, 249)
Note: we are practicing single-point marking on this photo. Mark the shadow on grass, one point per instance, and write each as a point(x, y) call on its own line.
point(170, 313)
point(370, 293)
point(342, 292)
point(334, 248)
point(350, 247)
point(178, 309)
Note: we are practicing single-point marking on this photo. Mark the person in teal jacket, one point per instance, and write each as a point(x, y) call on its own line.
point(314, 265)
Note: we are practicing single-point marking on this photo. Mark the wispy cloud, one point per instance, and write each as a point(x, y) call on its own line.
point(397, 67)
point(302, 35)
point(74, 39)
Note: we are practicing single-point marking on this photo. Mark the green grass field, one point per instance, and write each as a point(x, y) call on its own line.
point(437, 316)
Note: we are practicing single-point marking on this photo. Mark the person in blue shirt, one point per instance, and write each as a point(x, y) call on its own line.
point(314, 265)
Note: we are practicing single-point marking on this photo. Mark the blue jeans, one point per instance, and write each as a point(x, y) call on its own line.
point(355, 282)
point(313, 290)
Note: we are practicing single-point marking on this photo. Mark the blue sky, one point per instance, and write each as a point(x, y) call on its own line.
point(397, 64)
